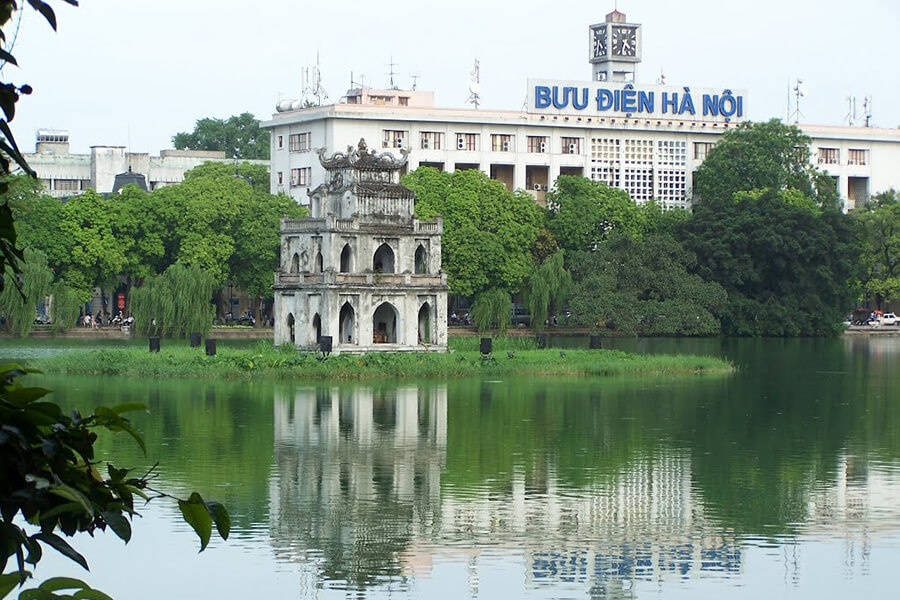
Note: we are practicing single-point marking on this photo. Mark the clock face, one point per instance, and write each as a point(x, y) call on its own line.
point(599, 50)
point(624, 41)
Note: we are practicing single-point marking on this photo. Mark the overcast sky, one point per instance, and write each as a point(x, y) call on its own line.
point(135, 72)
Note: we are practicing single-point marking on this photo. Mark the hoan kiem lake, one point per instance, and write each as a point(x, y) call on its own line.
point(781, 480)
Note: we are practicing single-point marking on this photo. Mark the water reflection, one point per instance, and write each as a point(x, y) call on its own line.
point(782, 477)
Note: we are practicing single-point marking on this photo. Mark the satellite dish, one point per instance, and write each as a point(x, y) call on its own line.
point(284, 105)
point(475, 87)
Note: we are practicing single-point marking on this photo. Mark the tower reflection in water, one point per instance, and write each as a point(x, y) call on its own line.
point(357, 501)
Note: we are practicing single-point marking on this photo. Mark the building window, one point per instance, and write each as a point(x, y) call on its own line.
point(299, 142)
point(432, 140)
point(639, 184)
point(671, 188)
point(857, 157)
point(829, 156)
point(502, 143)
point(404, 100)
point(639, 152)
point(300, 177)
point(537, 144)
point(67, 185)
point(280, 178)
point(671, 153)
point(467, 141)
point(701, 149)
point(394, 139)
point(571, 145)
point(279, 141)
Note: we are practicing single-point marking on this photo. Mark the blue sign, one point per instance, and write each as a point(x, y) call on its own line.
point(632, 102)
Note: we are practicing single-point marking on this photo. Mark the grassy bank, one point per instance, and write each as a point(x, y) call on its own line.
point(262, 360)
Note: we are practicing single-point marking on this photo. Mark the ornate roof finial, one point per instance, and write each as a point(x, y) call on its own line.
point(362, 147)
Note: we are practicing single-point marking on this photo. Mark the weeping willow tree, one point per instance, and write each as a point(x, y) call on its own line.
point(176, 303)
point(66, 306)
point(491, 310)
point(546, 288)
point(19, 308)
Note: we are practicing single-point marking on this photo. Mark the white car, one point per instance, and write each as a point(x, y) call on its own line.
point(889, 319)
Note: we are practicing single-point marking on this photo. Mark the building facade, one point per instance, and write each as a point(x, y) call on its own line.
point(647, 140)
point(362, 269)
point(64, 174)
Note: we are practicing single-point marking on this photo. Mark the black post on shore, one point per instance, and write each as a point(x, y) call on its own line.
point(154, 344)
point(211, 346)
point(486, 345)
point(541, 341)
point(195, 340)
point(595, 343)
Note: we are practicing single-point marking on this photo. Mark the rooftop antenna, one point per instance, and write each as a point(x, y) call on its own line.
point(312, 84)
point(799, 92)
point(475, 86)
point(662, 78)
point(867, 110)
point(415, 77)
point(851, 111)
point(391, 73)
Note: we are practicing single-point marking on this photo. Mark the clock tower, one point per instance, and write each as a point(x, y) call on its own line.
point(615, 49)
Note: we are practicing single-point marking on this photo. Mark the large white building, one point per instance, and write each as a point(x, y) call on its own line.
point(64, 174)
point(647, 140)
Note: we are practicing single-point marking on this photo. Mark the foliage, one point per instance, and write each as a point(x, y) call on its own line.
point(176, 303)
point(19, 303)
point(787, 270)
point(879, 227)
point(547, 287)
point(53, 482)
point(263, 361)
point(96, 257)
point(238, 136)
point(643, 286)
point(582, 213)
point(256, 175)
point(488, 231)
point(66, 306)
point(757, 156)
point(491, 310)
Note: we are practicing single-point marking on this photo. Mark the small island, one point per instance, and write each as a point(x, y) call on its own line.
point(264, 361)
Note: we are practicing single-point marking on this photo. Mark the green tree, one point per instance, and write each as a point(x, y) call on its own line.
point(788, 270)
point(19, 303)
point(489, 232)
point(643, 286)
point(879, 228)
point(582, 213)
point(756, 156)
point(546, 288)
point(96, 257)
point(238, 136)
point(491, 310)
point(38, 216)
point(256, 175)
point(176, 303)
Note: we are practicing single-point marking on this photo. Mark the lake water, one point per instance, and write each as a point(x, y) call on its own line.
point(780, 481)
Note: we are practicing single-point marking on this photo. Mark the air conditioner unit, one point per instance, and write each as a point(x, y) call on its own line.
point(537, 187)
point(425, 143)
point(460, 144)
point(544, 187)
point(543, 147)
point(398, 143)
point(504, 146)
point(573, 148)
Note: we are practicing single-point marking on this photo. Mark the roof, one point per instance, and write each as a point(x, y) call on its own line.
point(363, 159)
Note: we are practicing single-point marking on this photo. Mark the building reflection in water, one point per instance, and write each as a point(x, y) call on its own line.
point(357, 501)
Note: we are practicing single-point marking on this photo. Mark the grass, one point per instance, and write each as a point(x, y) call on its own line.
point(262, 360)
